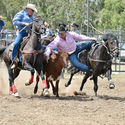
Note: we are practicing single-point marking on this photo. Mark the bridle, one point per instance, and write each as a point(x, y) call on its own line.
point(34, 52)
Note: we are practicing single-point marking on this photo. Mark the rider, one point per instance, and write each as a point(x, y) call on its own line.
point(65, 41)
point(22, 20)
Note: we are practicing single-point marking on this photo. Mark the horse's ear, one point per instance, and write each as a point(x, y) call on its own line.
point(105, 37)
point(108, 36)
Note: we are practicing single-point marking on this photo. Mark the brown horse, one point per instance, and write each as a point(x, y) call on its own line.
point(32, 57)
point(99, 59)
point(53, 70)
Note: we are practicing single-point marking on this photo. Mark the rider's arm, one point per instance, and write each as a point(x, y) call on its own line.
point(51, 46)
point(3, 27)
point(82, 37)
point(17, 20)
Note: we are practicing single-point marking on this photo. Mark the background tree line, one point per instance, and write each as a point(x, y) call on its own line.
point(109, 14)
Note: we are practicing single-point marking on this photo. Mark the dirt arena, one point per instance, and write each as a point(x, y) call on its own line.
point(30, 109)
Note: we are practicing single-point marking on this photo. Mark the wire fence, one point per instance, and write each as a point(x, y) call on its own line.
point(118, 63)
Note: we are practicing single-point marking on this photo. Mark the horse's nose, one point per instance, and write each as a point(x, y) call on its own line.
point(117, 54)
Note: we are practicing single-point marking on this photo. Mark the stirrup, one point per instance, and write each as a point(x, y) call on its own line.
point(13, 66)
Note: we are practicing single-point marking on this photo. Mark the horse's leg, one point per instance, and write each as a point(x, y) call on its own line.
point(12, 76)
point(84, 81)
point(70, 79)
point(111, 83)
point(71, 76)
point(36, 86)
point(28, 67)
point(45, 85)
point(95, 79)
point(53, 87)
point(30, 81)
point(57, 88)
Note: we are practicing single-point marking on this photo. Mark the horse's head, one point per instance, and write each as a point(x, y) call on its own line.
point(112, 43)
point(38, 25)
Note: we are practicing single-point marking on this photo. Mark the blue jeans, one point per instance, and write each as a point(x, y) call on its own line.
point(74, 56)
point(17, 42)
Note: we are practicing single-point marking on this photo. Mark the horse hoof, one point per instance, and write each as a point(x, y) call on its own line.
point(27, 83)
point(10, 92)
point(111, 85)
point(45, 93)
point(16, 94)
point(66, 84)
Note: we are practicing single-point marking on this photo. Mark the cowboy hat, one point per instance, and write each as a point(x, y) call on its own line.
point(62, 24)
point(62, 29)
point(31, 6)
point(74, 24)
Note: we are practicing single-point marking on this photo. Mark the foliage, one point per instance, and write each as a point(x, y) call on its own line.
point(112, 16)
point(103, 14)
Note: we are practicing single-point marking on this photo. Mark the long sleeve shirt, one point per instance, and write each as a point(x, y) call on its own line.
point(68, 45)
point(1, 25)
point(21, 18)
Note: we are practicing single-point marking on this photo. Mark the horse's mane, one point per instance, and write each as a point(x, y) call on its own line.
point(36, 18)
point(108, 36)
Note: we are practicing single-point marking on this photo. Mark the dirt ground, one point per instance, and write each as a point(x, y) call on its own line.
point(30, 109)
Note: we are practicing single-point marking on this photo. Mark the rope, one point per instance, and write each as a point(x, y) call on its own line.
point(91, 26)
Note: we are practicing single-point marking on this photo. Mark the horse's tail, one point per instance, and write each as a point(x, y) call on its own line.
point(2, 49)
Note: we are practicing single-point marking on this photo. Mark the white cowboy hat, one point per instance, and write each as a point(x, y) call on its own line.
point(0, 16)
point(31, 6)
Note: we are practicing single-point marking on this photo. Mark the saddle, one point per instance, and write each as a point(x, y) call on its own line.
point(22, 45)
point(94, 47)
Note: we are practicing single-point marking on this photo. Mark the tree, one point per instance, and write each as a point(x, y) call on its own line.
point(112, 16)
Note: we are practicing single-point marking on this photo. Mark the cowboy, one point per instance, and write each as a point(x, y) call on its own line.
point(22, 20)
point(2, 27)
point(65, 41)
point(75, 28)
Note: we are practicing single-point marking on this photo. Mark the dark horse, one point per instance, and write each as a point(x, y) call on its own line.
point(53, 70)
point(31, 54)
point(2, 49)
point(99, 59)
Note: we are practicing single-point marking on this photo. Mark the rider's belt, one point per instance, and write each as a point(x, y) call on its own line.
point(71, 52)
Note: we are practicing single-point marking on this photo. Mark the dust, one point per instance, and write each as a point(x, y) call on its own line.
point(4, 84)
point(69, 109)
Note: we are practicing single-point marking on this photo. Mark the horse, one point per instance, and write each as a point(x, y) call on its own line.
point(99, 60)
point(31, 54)
point(53, 70)
point(2, 48)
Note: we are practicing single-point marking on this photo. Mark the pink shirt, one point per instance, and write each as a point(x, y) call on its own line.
point(67, 45)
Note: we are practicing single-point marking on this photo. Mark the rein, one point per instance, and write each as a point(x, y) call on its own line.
point(31, 52)
point(34, 52)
